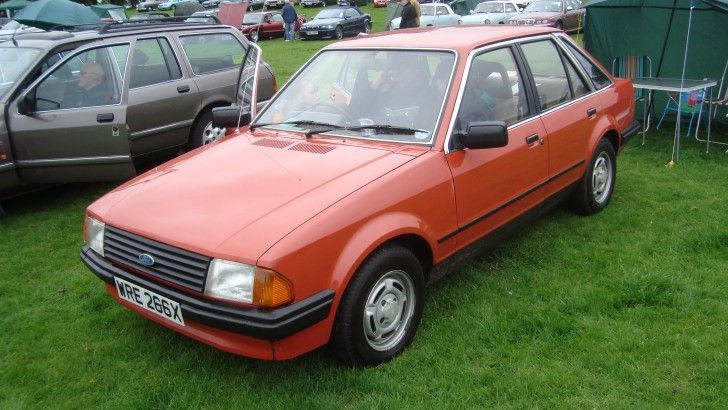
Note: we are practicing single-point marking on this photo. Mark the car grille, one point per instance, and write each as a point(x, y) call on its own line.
point(526, 22)
point(171, 264)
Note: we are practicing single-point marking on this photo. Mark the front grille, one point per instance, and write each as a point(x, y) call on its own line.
point(526, 22)
point(171, 264)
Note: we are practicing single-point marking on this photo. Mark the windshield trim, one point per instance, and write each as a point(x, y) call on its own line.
point(438, 122)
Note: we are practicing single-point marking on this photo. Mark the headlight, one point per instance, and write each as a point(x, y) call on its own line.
point(330, 26)
point(239, 282)
point(94, 234)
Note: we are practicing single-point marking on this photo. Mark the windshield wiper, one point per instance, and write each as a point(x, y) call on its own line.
point(389, 128)
point(300, 122)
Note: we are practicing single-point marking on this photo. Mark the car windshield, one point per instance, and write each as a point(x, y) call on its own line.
point(488, 7)
point(330, 14)
point(14, 61)
point(252, 18)
point(427, 10)
point(386, 95)
point(544, 5)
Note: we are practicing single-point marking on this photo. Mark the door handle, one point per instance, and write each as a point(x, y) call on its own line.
point(533, 138)
point(106, 117)
point(183, 89)
point(591, 112)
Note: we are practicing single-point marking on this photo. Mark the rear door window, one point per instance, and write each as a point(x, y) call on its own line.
point(596, 75)
point(213, 52)
point(153, 62)
point(548, 73)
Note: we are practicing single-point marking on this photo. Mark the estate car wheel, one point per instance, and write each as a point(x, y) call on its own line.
point(381, 308)
point(339, 33)
point(596, 187)
point(203, 132)
point(254, 36)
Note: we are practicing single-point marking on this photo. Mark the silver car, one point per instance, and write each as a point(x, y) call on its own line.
point(100, 105)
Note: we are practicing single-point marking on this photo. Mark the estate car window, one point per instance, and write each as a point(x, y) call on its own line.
point(98, 82)
point(212, 52)
point(548, 73)
point(492, 91)
point(153, 62)
point(510, 8)
point(598, 78)
point(441, 11)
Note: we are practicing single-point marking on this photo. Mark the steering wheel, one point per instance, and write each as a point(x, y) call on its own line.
point(333, 108)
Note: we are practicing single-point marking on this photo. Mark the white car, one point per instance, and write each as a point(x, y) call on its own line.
point(492, 12)
point(433, 14)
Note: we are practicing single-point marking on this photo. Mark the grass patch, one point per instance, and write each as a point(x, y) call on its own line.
point(623, 309)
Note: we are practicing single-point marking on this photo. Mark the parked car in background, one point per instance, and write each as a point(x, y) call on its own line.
point(148, 5)
point(277, 3)
point(314, 3)
point(380, 3)
point(560, 14)
point(491, 12)
point(358, 3)
point(262, 25)
point(336, 22)
point(382, 164)
point(205, 16)
point(156, 86)
point(211, 4)
point(148, 16)
point(170, 4)
point(433, 14)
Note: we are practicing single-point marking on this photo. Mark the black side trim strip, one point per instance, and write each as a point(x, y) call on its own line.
point(264, 324)
point(509, 203)
point(630, 132)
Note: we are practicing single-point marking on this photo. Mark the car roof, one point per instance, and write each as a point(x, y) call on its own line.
point(461, 38)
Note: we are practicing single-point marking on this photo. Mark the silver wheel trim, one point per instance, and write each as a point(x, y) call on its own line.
point(254, 36)
point(388, 310)
point(602, 177)
point(210, 134)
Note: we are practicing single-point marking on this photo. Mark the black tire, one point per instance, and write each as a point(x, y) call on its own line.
point(596, 187)
point(254, 36)
point(559, 25)
point(368, 27)
point(339, 33)
point(395, 302)
point(200, 133)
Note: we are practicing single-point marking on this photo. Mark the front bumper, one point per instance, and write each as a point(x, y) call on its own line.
point(321, 33)
point(265, 324)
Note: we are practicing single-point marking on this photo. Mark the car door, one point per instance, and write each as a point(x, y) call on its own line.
point(70, 125)
point(568, 109)
point(494, 185)
point(163, 101)
point(350, 23)
point(275, 28)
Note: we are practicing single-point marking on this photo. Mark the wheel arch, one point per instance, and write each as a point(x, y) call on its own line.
point(207, 107)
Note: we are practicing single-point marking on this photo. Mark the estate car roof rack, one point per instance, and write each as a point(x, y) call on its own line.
point(129, 25)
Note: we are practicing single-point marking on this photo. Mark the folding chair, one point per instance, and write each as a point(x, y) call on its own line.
point(632, 67)
point(687, 103)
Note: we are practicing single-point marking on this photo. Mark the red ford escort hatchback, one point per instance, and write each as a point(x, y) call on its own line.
point(383, 161)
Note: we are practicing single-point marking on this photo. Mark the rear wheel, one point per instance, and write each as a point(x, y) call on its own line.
point(367, 27)
point(596, 187)
point(339, 33)
point(559, 25)
point(254, 36)
point(203, 132)
point(381, 308)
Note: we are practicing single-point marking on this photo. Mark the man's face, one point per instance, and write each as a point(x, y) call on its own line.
point(90, 77)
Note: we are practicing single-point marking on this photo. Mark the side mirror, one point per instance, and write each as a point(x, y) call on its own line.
point(484, 134)
point(228, 117)
point(26, 105)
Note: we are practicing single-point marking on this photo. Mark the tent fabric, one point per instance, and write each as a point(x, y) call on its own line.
point(617, 28)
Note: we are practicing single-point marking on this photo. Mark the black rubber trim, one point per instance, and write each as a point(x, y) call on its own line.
point(630, 132)
point(273, 324)
point(507, 204)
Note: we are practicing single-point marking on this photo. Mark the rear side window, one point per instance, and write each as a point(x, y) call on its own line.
point(153, 62)
point(213, 52)
point(548, 73)
point(596, 75)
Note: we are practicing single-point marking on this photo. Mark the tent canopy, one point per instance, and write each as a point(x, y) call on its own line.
point(658, 29)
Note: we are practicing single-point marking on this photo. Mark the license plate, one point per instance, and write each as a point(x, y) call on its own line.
point(312, 33)
point(150, 301)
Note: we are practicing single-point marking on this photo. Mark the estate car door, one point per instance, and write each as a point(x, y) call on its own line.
point(71, 123)
point(495, 185)
point(162, 101)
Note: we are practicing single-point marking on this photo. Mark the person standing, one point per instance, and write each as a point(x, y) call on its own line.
point(409, 15)
point(416, 4)
point(289, 20)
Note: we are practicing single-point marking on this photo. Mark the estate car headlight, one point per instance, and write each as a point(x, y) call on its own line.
point(240, 282)
point(94, 234)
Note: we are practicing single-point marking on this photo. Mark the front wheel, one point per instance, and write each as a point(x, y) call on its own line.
point(254, 36)
point(339, 33)
point(381, 308)
point(596, 187)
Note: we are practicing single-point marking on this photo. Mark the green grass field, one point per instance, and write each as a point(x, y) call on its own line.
point(626, 308)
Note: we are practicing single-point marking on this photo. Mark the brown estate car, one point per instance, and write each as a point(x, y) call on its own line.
point(99, 105)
